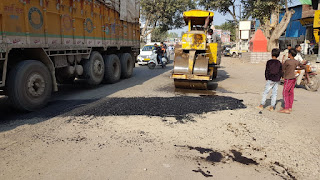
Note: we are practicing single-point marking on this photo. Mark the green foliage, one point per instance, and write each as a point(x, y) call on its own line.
point(173, 35)
point(182, 33)
point(165, 14)
point(228, 26)
point(262, 9)
point(158, 35)
point(222, 6)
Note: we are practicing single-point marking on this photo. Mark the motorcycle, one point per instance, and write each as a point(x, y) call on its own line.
point(154, 61)
point(313, 83)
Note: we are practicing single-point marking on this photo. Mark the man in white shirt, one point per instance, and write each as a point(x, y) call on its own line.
point(302, 61)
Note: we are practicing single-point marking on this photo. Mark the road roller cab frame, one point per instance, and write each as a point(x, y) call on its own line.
point(197, 58)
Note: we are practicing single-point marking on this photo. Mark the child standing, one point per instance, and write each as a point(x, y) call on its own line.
point(289, 68)
point(273, 75)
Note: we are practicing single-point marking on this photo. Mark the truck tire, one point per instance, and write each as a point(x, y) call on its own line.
point(126, 65)
point(29, 85)
point(93, 69)
point(112, 69)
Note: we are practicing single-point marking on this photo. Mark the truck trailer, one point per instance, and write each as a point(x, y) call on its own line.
point(44, 43)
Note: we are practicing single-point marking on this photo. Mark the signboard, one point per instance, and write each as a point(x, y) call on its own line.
point(316, 22)
point(244, 25)
point(245, 34)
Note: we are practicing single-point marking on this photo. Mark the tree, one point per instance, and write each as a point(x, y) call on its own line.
point(182, 33)
point(163, 14)
point(267, 11)
point(224, 7)
point(173, 35)
point(228, 26)
point(158, 35)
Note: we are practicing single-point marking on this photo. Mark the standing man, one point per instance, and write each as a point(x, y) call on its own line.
point(299, 58)
point(312, 45)
point(170, 50)
point(286, 53)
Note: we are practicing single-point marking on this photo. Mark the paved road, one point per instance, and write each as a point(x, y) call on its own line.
point(74, 96)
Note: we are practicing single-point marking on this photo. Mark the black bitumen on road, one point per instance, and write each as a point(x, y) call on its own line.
point(179, 107)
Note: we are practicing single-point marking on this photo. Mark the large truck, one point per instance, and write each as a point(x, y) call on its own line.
point(44, 43)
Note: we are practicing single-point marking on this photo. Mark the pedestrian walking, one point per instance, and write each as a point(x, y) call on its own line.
point(289, 68)
point(312, 46)
point(273, 75)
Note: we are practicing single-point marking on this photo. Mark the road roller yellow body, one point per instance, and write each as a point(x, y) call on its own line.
point(197, 58)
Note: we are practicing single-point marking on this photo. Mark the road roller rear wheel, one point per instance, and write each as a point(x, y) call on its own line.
point(191, 84)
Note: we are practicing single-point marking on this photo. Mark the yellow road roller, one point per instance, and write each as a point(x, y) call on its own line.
point(198, 57)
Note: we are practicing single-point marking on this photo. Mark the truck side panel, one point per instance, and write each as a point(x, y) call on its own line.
point(41, 23)
point(63, 25)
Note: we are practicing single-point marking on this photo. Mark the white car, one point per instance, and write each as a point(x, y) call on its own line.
point(145, 53)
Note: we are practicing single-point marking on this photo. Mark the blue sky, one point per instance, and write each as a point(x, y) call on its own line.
point(220, 19)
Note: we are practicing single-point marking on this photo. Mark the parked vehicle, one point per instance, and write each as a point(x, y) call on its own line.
point(226, 50)
point(313, 84)
point(145, 53)
point(153, 62)
point(44, 43)
point(236, 51)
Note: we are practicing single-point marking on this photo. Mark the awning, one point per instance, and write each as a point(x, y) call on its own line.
point(307, 21)
point(309, 2)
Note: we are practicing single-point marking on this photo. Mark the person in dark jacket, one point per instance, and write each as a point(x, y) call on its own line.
point(159, 54)
point(273, 74)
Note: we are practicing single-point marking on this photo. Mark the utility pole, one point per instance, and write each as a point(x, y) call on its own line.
point(240, 17)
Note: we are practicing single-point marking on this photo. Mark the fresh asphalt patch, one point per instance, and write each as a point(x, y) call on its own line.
point(180, 107)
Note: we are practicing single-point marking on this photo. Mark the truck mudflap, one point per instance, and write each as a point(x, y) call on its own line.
point(3, 64)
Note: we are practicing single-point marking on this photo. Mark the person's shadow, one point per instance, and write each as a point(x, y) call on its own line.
point(279, 101)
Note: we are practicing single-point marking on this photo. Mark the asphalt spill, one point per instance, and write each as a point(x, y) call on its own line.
point(205, 174)
point(179, 107)
point(219, 157)
point(241, 159)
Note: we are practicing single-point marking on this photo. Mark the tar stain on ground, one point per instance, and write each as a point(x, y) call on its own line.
point(205, 174)
point(179, 107)
point(241, 159)
point(219, 157)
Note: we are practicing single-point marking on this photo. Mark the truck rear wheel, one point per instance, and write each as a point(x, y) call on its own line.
point(126, 65)
point(29, 85)
point(94, 69)
point(112, 68)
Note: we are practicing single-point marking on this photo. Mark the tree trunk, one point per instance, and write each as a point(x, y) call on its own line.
point(144, 29)
point(266, 29)
point(279, 29)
